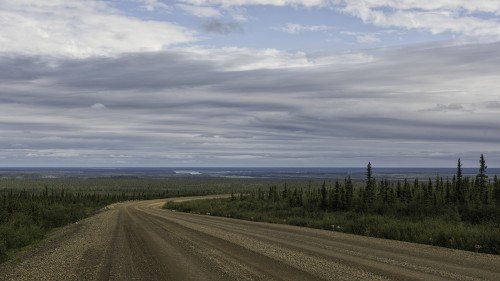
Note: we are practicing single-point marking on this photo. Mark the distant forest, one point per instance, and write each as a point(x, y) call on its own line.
point(458, 212)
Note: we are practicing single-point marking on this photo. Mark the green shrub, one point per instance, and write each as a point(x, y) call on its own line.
point(446, 230)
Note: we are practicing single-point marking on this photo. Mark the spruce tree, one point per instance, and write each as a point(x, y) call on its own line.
point(285, 192)
point(324, 202)
point(369, 174)
point(459, 192)
point(349, 192)
point(496, 190)
point(336, 196)
point(370, 189)
point(482, 180)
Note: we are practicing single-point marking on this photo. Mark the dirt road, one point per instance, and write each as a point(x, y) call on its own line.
point(140, 241)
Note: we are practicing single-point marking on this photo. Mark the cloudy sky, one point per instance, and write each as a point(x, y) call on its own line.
point(249, 82)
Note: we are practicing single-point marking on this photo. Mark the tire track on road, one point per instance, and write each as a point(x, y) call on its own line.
point(139, 241)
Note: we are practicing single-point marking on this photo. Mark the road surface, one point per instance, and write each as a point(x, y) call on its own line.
point(140, 241)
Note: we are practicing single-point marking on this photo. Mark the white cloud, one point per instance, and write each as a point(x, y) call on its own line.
point(98, 106)
point(446, 108)
point(197, 105)
point(294, 28)
point(476, 20)
point(367, 39)
point(200, 11)
point(238, 13)
point(52, 153)
point(488, 6)
point(231, 3)
point(240, 59)
point(80, 29)
point(153, 5)
point(363, 37)
point(208, 106)
point(455, 16)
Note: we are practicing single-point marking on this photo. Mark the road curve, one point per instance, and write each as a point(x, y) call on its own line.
point(140, 241)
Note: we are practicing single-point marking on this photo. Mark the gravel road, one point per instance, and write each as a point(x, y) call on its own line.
point(139, 241)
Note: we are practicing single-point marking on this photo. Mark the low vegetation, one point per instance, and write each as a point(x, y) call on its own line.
point(461, 212)
point(29, 208)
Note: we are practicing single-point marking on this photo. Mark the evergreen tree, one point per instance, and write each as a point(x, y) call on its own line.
point(459, 192)
point(369, 176)
point(336, 196)
point(482, 180)
point(285, 192)
point(407, 195)
point(324, 201)
point(428, 190)
point(343, 198)
point(349, 187)
point(370, 185)
point(496, 190)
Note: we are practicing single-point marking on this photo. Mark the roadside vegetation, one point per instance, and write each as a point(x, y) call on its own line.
point(29, 208)
point(458, 212)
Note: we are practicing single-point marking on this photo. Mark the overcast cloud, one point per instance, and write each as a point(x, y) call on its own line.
point(154, 101)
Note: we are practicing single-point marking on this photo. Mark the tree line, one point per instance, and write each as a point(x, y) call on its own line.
point(459, 212)
point(475, 199)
